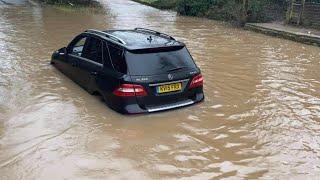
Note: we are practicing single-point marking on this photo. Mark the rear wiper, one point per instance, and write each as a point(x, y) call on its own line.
point(176, 69)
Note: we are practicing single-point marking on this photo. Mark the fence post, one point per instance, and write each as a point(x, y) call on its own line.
point(300, 18)
point(289, 11)
point(244, 10)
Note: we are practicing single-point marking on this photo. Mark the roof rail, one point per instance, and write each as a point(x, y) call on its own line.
point(112, 37)
point(155, 32)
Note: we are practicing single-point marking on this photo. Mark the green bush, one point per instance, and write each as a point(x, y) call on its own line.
point(234, 10)
point(165, 4)
point(193, 7)
point(161, 4)
point(258, 11)
point(225, 10)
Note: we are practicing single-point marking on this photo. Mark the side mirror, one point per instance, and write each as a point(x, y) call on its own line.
point(62, 51)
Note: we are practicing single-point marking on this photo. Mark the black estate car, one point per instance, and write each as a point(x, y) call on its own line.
point(135, 71)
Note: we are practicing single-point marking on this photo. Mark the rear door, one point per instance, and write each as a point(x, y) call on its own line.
point(165, 74)
point(90, 64)
point(109, 79)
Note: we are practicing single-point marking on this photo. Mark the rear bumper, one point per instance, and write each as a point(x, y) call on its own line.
point(129, 106)
point(198, 97)
point(170, 106)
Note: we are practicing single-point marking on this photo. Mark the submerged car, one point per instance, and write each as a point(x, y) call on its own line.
point(135, 71)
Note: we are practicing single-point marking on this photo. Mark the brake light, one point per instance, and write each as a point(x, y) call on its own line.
point(127, 90)
point(197, 81)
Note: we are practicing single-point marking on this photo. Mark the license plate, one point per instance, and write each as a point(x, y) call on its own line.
point(169, 88)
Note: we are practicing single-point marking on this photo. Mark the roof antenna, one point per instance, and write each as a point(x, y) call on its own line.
point(150, 39)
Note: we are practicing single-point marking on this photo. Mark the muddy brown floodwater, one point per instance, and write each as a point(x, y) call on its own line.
point(261, 117)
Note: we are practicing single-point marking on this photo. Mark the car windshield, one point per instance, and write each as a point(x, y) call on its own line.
point(154, 63)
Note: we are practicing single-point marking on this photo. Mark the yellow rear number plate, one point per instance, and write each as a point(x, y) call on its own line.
point(169, 88)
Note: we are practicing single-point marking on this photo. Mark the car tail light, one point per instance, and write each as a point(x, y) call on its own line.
point(127, 90)
point(197, 81)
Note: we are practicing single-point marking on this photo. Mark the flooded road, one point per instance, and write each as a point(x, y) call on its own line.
point(261, 117)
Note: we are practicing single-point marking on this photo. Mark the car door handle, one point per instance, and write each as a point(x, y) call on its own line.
point(94, 73)
point(73, 64)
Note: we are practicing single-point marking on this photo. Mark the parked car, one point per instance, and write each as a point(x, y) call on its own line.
point(135, 71)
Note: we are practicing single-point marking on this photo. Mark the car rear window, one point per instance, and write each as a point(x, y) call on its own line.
point(163, 62)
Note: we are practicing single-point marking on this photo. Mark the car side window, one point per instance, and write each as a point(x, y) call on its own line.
point(93, 50)
point(106, 56)
point(78, 48)
point(118, 60)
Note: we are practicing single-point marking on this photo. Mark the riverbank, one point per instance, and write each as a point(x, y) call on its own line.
point(70, 3)
point(302, 35)
point(83, 6)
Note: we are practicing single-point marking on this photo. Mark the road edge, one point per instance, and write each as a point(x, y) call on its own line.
point(298, 37)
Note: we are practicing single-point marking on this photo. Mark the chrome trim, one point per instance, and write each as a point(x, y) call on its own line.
point(172, 106)
point(172, 82)
point(85, 59)
point(108, 35)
